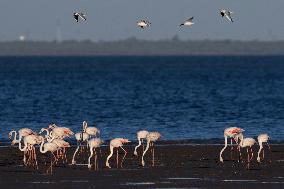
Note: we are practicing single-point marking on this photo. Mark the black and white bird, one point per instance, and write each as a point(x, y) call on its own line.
point(188, 22)
point(227, 14)
point(143, 24)
point(78, 15)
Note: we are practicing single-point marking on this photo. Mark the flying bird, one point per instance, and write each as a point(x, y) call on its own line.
point(143, 24)
point(227, 14)
point(188, 22)
point(78, 15)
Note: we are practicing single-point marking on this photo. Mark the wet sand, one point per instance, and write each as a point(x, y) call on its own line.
point(176, 166)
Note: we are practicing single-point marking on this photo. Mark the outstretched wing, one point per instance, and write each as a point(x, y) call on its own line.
point(83, 16)
point(190, 19)
point(76, 16)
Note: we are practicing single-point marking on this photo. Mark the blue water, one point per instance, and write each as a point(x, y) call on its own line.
point(181, 97)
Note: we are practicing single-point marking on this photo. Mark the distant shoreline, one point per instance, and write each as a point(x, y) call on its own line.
point(136, 47)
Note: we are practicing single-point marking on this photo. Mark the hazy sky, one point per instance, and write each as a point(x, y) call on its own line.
point(116, 19)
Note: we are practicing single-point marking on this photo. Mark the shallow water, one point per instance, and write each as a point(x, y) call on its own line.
point(181, 97)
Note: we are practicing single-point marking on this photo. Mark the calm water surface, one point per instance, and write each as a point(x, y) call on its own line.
point(181, 97)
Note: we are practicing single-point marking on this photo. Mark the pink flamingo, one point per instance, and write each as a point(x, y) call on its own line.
point(49, 147)
point(151, 138)
point(92, 131)
point(231, 132)
point(29, 150)
point(80, 137)
point(83, 137)
point(22, 133)
point(262, 138)
point(247, 143)
point(94, 143)
point(62, 145)
point(59, 132)
point(141, 135)
point(29, 142)
point(116, 143)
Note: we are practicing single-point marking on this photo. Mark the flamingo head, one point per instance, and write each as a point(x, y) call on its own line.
point(42, 130)
point(52, 126)
point(85, 124)
point(13, 143)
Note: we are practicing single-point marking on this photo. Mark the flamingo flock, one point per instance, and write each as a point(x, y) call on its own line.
point(236, 134)
point(51, 140)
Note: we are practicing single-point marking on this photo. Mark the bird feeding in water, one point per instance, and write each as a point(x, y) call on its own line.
point(116, 143)
point(262, 139)
point(151, 138)
point(78, 15)
point(233, 133)
point(227, 14)
point(141, 135)
point(188, 22)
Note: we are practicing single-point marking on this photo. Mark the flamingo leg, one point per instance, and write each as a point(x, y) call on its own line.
point(89, 160)
point(144, 152)
point(142, 144)
point(251, 153)
point(109, 156)
point(153, 155)
point(74, 155)
point(25, 158)
point(221, 152)
point(117, 158)
point(232, 148)
point(125, 152)
point(270, 154)
point(96, 163)
point(35, 158)
point(139, 144)
point(259, 151)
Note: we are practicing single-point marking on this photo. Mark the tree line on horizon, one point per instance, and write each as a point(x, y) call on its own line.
point(134, 46)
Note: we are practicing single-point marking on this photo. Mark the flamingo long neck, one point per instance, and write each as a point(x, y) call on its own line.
point(47, 132)
point(48, 138)
point(148, 145)
point(25, 147)
point(41, 147)
point(111, 152)
point(15, 137)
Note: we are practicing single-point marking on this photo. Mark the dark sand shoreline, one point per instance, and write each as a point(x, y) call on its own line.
point(177, 166)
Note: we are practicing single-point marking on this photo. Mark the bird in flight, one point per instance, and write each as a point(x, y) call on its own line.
point(143, 24)
point(188, 22)
point(78, 15)
point(227, 14)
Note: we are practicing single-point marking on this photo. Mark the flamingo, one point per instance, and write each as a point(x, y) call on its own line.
point(262, 138)
point(116, 143)
point(93, 144)
point(59, 132)
point(92, 131)
point(151, 138)
point(49, 147)
point(80, 137)
point(247, 143)
point(62, 145)
point(22, 133)
point(141, 135)
point(231, 132)
point(83, 137)
point(29, 142)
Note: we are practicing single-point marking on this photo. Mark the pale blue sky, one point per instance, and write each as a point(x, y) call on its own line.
point(116, 19)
